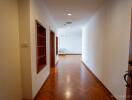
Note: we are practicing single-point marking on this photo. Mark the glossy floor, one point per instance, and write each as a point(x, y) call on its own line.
point(70, 80)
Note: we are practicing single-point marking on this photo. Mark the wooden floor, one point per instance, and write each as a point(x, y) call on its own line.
point(70, 80)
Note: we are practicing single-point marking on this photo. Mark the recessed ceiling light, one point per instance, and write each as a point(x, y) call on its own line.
point(69, 14)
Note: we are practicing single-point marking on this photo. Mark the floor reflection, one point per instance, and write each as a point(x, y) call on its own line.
point(70, 80)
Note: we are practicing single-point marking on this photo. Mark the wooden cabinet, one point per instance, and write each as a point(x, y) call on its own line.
point(41, 46)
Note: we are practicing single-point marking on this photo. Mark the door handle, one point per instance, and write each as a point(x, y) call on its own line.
point(126, 78)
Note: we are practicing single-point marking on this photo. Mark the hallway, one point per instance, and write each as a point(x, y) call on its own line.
point(97, 32)
point(70, 80)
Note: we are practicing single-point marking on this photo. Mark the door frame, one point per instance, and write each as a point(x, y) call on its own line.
point(129, 73)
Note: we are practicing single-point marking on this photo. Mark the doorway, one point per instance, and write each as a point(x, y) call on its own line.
point(56, 45)
point(128, 75)
point(52, 49)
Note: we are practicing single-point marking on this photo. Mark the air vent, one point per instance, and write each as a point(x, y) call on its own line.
point(68, 22)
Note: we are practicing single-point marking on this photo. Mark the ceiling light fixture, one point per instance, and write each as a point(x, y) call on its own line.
point(69, 14)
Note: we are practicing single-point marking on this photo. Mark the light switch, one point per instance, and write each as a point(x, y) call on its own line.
point(25, 45)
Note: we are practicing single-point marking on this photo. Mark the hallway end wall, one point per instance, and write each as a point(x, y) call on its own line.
point(70, 40)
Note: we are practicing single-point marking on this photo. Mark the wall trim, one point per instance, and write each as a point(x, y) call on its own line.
point(99, 82)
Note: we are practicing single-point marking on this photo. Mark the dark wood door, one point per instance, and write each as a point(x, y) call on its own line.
point(128, 78)
point(57, 45)
point(128, 75)
point(52, 49)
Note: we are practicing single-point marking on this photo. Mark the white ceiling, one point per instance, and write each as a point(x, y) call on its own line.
point(81, 10)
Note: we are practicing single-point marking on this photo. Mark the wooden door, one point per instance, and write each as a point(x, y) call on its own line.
point(56, 45)
point(52, 49)
point(128, 78)
point(128, 75)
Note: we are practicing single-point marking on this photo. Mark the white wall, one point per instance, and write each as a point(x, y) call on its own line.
point(92, 42)
point(10, 76)
point(25, 51)
point(31, 10)
point(70, 39)
point(106, 44)
point(37, 11)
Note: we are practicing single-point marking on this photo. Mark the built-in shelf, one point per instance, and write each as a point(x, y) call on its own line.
point(41, 47)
